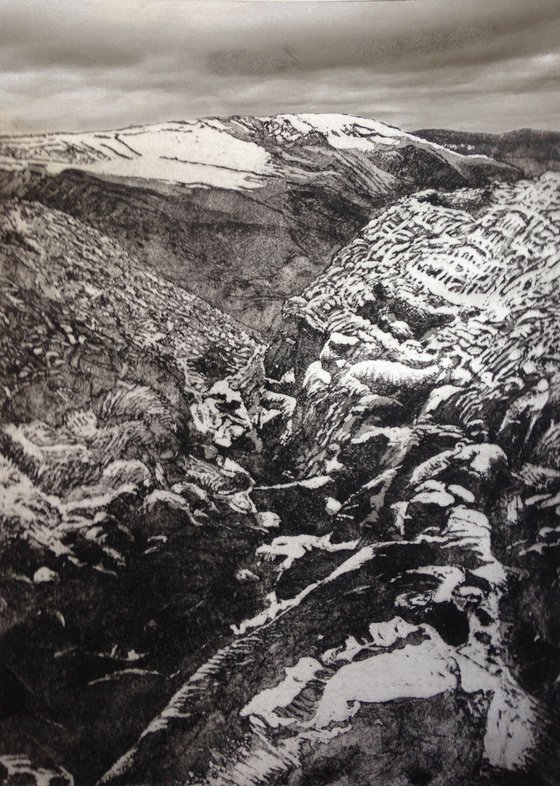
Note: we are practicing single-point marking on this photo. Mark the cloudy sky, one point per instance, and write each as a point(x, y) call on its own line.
point(92, 64)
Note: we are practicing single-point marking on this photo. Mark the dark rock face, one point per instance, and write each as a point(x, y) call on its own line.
point(327, 555)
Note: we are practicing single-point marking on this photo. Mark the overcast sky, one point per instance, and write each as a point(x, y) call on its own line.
point(91, 64)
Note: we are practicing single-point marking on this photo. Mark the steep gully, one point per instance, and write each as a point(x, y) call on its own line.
point(353, 538)
point(408, 426)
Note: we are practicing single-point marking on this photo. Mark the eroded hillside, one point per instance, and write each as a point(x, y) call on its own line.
point(308, 560)
point(412, 406)
point(109, 509)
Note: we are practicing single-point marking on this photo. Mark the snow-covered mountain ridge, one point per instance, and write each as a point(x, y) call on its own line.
point(204, 152)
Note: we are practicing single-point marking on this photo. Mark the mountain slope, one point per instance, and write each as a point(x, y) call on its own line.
point(108, 498)
point(314, 559)
point(243, 211)
point(233, 153)
point(417, 483)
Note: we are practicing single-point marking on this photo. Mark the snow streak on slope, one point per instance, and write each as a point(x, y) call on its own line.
point(341, 131)
point(201, 153)
point(348, 132)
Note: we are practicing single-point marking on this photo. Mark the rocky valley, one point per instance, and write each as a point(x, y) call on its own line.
point(279, 457)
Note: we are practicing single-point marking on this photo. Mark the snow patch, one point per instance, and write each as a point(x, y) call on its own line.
point(265, 703)
point(196, 153)
point(294, 547)
point(415, 671)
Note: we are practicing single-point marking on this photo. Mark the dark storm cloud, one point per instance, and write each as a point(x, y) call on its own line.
point(75, 64)
point(252, 62)
point(362, 37)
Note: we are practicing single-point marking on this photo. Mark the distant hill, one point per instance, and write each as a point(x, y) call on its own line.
point(534, 152)
point(242, 211)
